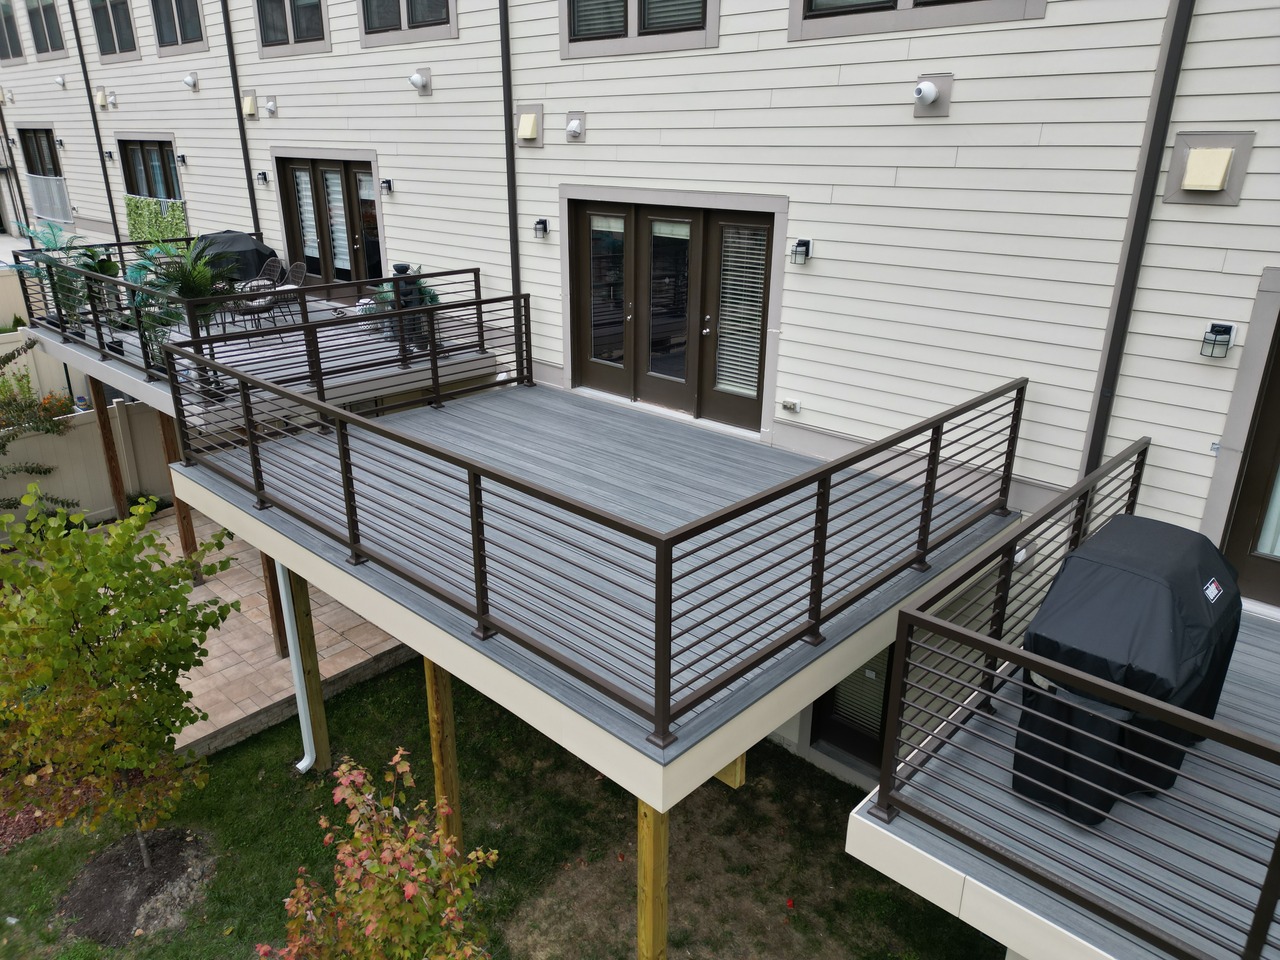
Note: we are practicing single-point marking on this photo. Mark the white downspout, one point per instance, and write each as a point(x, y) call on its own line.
point(295, 660)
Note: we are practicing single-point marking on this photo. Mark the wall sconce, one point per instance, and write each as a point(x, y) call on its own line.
point(270, 107)
point(182, 159)
point(111, 98)
point(61, 81)
point(1217, 340)
point(192, 80)
point(100, 96)
point(8, 95)
point(540, 228)
point(801, 251)
point(384, 185)
point(421, 81)
point(58, 141)
point(109, 155)
point(262, 177)
point(12, 142)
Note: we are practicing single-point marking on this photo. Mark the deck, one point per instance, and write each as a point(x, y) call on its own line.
point(1193, 895)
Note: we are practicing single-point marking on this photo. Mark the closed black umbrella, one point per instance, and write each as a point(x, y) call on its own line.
point(246, 253)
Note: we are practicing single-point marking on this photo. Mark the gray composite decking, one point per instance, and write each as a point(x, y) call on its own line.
point(575, 586)
point(1179, 901)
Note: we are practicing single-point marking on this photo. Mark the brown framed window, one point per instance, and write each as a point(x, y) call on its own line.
point(40, 153)
point(150, 169)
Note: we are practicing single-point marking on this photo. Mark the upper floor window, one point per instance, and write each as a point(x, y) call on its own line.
point(40, 153)
point(590, 28)
point(384, 22)
point(813, 19)
point(150, 169)
point(292, 26)
point(177, 22)
point(45, 31)
point(10, 46)
point(114, 27)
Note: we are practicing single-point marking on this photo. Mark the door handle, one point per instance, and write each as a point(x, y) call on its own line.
point(706, 326)
point(628, 316)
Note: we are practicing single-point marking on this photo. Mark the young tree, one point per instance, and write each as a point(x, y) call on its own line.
point(96, 627)
point(24, 411)
point(402, 888)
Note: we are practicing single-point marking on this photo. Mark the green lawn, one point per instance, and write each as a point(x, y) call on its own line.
point(564, 885)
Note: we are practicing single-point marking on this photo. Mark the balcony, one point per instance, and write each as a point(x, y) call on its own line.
point(1188, 870)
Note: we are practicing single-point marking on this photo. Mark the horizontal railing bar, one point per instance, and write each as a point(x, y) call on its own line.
point(683, 705)
point(499, 495)
point(739, 587)
point(695, 527)
point(732, 545)
point(626, 602)
point(723, 574)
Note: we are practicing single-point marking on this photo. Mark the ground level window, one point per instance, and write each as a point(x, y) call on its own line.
point(150, 169)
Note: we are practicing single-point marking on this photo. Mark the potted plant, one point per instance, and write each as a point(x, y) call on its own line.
point(64, 290)
point(176, 272)
point(414, 292)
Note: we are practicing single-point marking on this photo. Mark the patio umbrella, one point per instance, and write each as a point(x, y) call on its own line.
point(245, 252)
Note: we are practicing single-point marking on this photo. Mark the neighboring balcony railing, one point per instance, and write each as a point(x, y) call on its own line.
point(659, 621)
point(1190, 867)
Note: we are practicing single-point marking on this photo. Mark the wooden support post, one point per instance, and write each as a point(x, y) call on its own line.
point(310, 668)
point(182, 512)
point(735, 772)
point(444, 745)
point(275, 610)
point(103, 412)
point(651, 883)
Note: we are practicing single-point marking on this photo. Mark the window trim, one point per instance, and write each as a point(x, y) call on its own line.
point(36, 131)
point(179, 48)
point(59, 54)
point(407, 34)
point(117, 57)
point(294, 48)
point(635, 42)
point(908, 17)
point(20, 55)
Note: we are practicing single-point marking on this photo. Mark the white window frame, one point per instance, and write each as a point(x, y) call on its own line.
point(407, 34)
point(908, 16)
point(634, 42)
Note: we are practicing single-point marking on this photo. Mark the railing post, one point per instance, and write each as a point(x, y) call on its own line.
point(818, 568)
point(433, 355)
point(402, 325)
point(999, 610)
point(348, 494)
point(884, 810)
point(1015, 425)
point(314, 373)
point(528, 344)
point(661, 735)
point(1135, 481)
point(517, 324)
point(1264, 913)
point(479, 326)
point(930, 491)
point(255, 462)
point(1080, 520)
point(179, 412)
point(479, 558)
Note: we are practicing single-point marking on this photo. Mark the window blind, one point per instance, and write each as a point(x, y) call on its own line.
point(744, 261)
point(671, 16)
point(594, 19)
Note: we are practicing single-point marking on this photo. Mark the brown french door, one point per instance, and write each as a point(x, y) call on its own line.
point(331, 216)
point(1252, 542)
point(669, 307)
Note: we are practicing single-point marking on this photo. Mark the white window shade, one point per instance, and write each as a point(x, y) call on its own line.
point(49, 200)
point(743, 267)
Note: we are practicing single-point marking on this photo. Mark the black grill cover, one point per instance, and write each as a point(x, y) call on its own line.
point(1149, 606)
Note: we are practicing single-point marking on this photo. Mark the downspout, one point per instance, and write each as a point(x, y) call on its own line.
point(14, 179)
point(244, 136)
point(1168, 70)
point(508, 126)
point(295, 661)
point(93, 115)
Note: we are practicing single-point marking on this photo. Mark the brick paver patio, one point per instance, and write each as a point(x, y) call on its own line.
point(244, 686)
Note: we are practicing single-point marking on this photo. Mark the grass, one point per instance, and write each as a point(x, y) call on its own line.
point(564, 885)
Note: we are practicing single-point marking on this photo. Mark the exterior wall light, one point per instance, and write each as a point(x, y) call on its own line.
point(109, 155)
point(111, 98)
point(1217, 340)
point(540, 228)
point(801, 251)
point(58, 141)
point(182, 159)
point(385, 186)
point(192, 80)
point(262, 177)
point(61, 81)
point(421, 81)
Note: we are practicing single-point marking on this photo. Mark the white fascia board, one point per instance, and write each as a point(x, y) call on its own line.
point(154, 393)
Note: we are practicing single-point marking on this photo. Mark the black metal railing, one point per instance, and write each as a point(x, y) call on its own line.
point(1182, 853)
point(659, 621)
point(425, 316)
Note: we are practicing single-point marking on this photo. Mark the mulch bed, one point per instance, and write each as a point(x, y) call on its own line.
point(16, 827)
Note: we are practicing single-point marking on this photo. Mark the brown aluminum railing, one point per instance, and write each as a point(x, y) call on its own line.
point(128, 322)
point(657, 621)
point(1189, 865)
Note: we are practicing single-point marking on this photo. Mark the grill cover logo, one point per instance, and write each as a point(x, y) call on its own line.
point(1213, 590)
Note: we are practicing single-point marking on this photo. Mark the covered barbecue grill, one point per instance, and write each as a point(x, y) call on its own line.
point(1149, 606)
